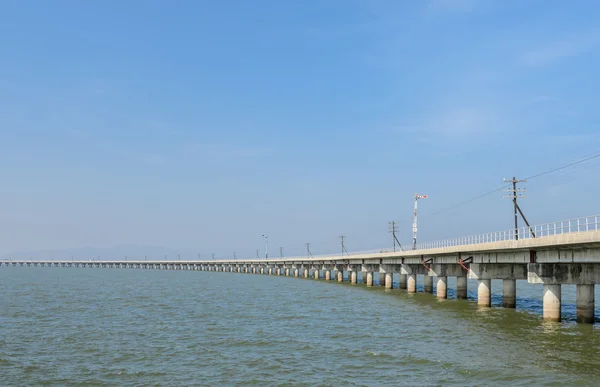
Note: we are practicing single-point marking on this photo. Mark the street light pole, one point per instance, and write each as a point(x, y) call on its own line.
point(266, 246)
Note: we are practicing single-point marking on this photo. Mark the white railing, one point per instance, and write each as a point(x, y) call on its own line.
point(587, 223)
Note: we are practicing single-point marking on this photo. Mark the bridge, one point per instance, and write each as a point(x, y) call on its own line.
point(552, 254)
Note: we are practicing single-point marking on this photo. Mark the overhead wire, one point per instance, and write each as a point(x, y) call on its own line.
point(508, 185)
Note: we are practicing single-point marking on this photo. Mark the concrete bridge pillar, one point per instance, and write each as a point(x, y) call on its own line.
point(328, 275)
point(287, 272)
point(461, 287)
point(442, 287)
point(306, 273)
point(369, 278)
point(585, 304)
point(388, 280)
point(484, 292)
point(428, 284)
point(317, 273)
point(403, 281)
point(354, 277)
point(509, 293)
point(552, 302)
point(340, 276)
point(270, 271)
point(411, 283)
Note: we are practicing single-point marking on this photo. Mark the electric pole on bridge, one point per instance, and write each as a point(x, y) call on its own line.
point(515, 194)
point(308, 253)
point(393, 229)
point(415, 223)
point(342, 237)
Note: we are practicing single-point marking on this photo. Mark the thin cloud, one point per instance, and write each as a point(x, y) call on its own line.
point(559, 50)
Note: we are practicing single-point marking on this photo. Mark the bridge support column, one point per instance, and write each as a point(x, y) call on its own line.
point(354, 277)
point(428, 284)
point(411, 283)
point(442, 287)
point(340, 276)
point(403, 281)
point(270, 271)
point(327, 275)
point(369, 278)
point(461, 288)
point(306, 273)
point(484, 292)
point(552, 302)
point(287, 272)
point(509, 293)
point(389, 280)
point(585, 304)
point(317, 273)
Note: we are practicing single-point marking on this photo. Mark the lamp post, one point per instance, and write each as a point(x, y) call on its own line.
point(266, 246)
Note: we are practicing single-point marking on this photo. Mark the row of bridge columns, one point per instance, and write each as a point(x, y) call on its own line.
point(551, 279)
point(408, 282)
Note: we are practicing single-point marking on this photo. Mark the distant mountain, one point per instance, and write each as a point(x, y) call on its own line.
point(132, 252)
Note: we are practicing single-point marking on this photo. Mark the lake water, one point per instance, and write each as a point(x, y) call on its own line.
point(108, 327)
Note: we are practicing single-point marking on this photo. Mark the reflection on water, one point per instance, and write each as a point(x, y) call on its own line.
point(63, 326)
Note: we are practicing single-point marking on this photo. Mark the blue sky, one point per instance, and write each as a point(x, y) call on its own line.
point(200, 125)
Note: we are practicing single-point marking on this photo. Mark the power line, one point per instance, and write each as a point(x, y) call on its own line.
point(563, 167)
point(509, 185)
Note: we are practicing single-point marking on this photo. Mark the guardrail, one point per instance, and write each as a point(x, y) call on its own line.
point(586, 223)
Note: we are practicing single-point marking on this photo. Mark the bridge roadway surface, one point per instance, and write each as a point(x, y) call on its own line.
point(552, 260)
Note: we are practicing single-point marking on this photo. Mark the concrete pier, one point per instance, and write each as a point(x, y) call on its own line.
point(403, 281)
point(411, 283)
point(461, 287)
point(552, 302)
point(585, 304)
point(369, 278)
point(306, 273)
point(340, 276)
point(442, 287)
point(317, 274)
point(327, 275)
point(353, 277)
point(388, 280)
point(287, 272)
point(428, 284)
point(509, 293)
point(484, 292)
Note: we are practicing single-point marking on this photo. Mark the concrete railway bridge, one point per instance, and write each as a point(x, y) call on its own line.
point(552, 254)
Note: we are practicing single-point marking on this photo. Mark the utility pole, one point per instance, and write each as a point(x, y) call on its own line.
point(342, 237)
point(393, 229)
point(281, 252)
point(515, 194)
point(415, 223)
point(308, 253)
point(257, 253)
